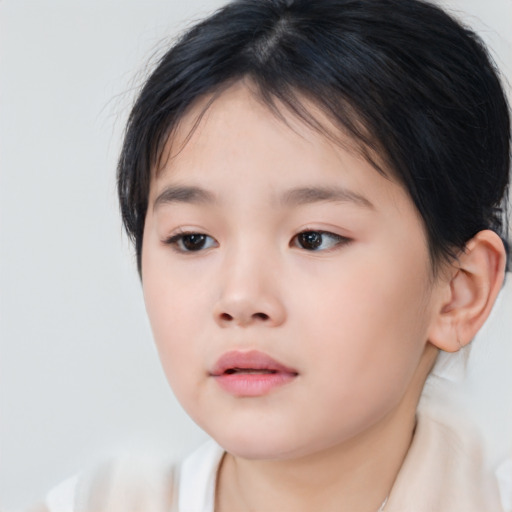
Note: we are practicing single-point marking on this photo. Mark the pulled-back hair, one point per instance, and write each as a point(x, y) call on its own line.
point(413, 88)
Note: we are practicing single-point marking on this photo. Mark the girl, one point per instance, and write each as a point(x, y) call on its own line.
point(315, 194)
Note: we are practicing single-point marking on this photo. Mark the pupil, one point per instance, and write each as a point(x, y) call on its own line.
point(311, 240)
point(194, 242)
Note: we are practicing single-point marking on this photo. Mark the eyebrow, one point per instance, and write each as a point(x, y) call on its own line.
point(307, 195)
point(182, 194)
point(293, 197)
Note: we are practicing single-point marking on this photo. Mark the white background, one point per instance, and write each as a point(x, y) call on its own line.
point(79, 377)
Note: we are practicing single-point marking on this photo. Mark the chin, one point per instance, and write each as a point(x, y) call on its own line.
point(262, 444)
point(259, 450)
point(256, 444)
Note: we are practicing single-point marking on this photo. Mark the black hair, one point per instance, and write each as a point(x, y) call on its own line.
point(407, 82)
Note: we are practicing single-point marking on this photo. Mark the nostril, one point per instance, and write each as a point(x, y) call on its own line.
point(242, 319)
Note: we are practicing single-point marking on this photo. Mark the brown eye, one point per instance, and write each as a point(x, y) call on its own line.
point(191, 242)
point(318, 240)
point(310, 240)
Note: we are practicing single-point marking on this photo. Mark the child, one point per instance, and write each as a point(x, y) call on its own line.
point(315, 193)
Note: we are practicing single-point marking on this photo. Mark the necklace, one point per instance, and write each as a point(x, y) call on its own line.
point(381, 508)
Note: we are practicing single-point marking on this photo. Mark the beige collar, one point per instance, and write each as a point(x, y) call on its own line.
point(443, 472)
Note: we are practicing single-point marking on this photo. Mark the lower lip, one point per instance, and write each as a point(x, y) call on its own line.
point(253, 384)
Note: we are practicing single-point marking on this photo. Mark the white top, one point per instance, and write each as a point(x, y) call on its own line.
point(197, 479)
point(442, 472)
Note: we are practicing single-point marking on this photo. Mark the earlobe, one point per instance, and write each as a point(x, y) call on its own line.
point(467, 297)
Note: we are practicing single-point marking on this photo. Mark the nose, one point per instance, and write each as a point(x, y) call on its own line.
point(249, 294)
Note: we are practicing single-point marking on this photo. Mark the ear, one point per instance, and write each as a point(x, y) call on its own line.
point(468, 295)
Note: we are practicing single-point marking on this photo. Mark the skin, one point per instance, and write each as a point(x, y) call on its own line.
point(355, 318)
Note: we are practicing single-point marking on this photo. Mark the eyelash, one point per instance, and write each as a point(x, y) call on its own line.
point(177, 240)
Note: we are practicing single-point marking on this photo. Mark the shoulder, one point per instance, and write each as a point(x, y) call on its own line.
point(444, 471)
point(124, 484)
point(135, 483)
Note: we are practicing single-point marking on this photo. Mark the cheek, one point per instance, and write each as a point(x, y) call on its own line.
point(174, 303)
point(369, 325)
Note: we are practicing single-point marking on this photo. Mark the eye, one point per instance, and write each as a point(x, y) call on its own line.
point(191, 242)
point(318, 240)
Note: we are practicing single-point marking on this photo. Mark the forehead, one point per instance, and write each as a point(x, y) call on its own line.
point(235, 138)
point(234, 114)
point(299, 113)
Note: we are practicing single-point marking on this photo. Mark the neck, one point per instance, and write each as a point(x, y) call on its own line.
point(356, 475)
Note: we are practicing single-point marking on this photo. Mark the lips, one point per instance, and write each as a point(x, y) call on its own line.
point(237, 361)
point(250, 374)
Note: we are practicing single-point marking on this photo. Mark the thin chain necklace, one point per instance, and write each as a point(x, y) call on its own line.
point(381, 508)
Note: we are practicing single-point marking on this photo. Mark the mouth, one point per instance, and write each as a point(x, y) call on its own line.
point(248, 371)
point(251, 362)
point(251, 374)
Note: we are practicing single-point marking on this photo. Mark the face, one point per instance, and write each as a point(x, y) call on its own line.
point(286, 281)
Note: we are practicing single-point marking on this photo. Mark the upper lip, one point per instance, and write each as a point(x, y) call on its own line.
point(250, 360)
